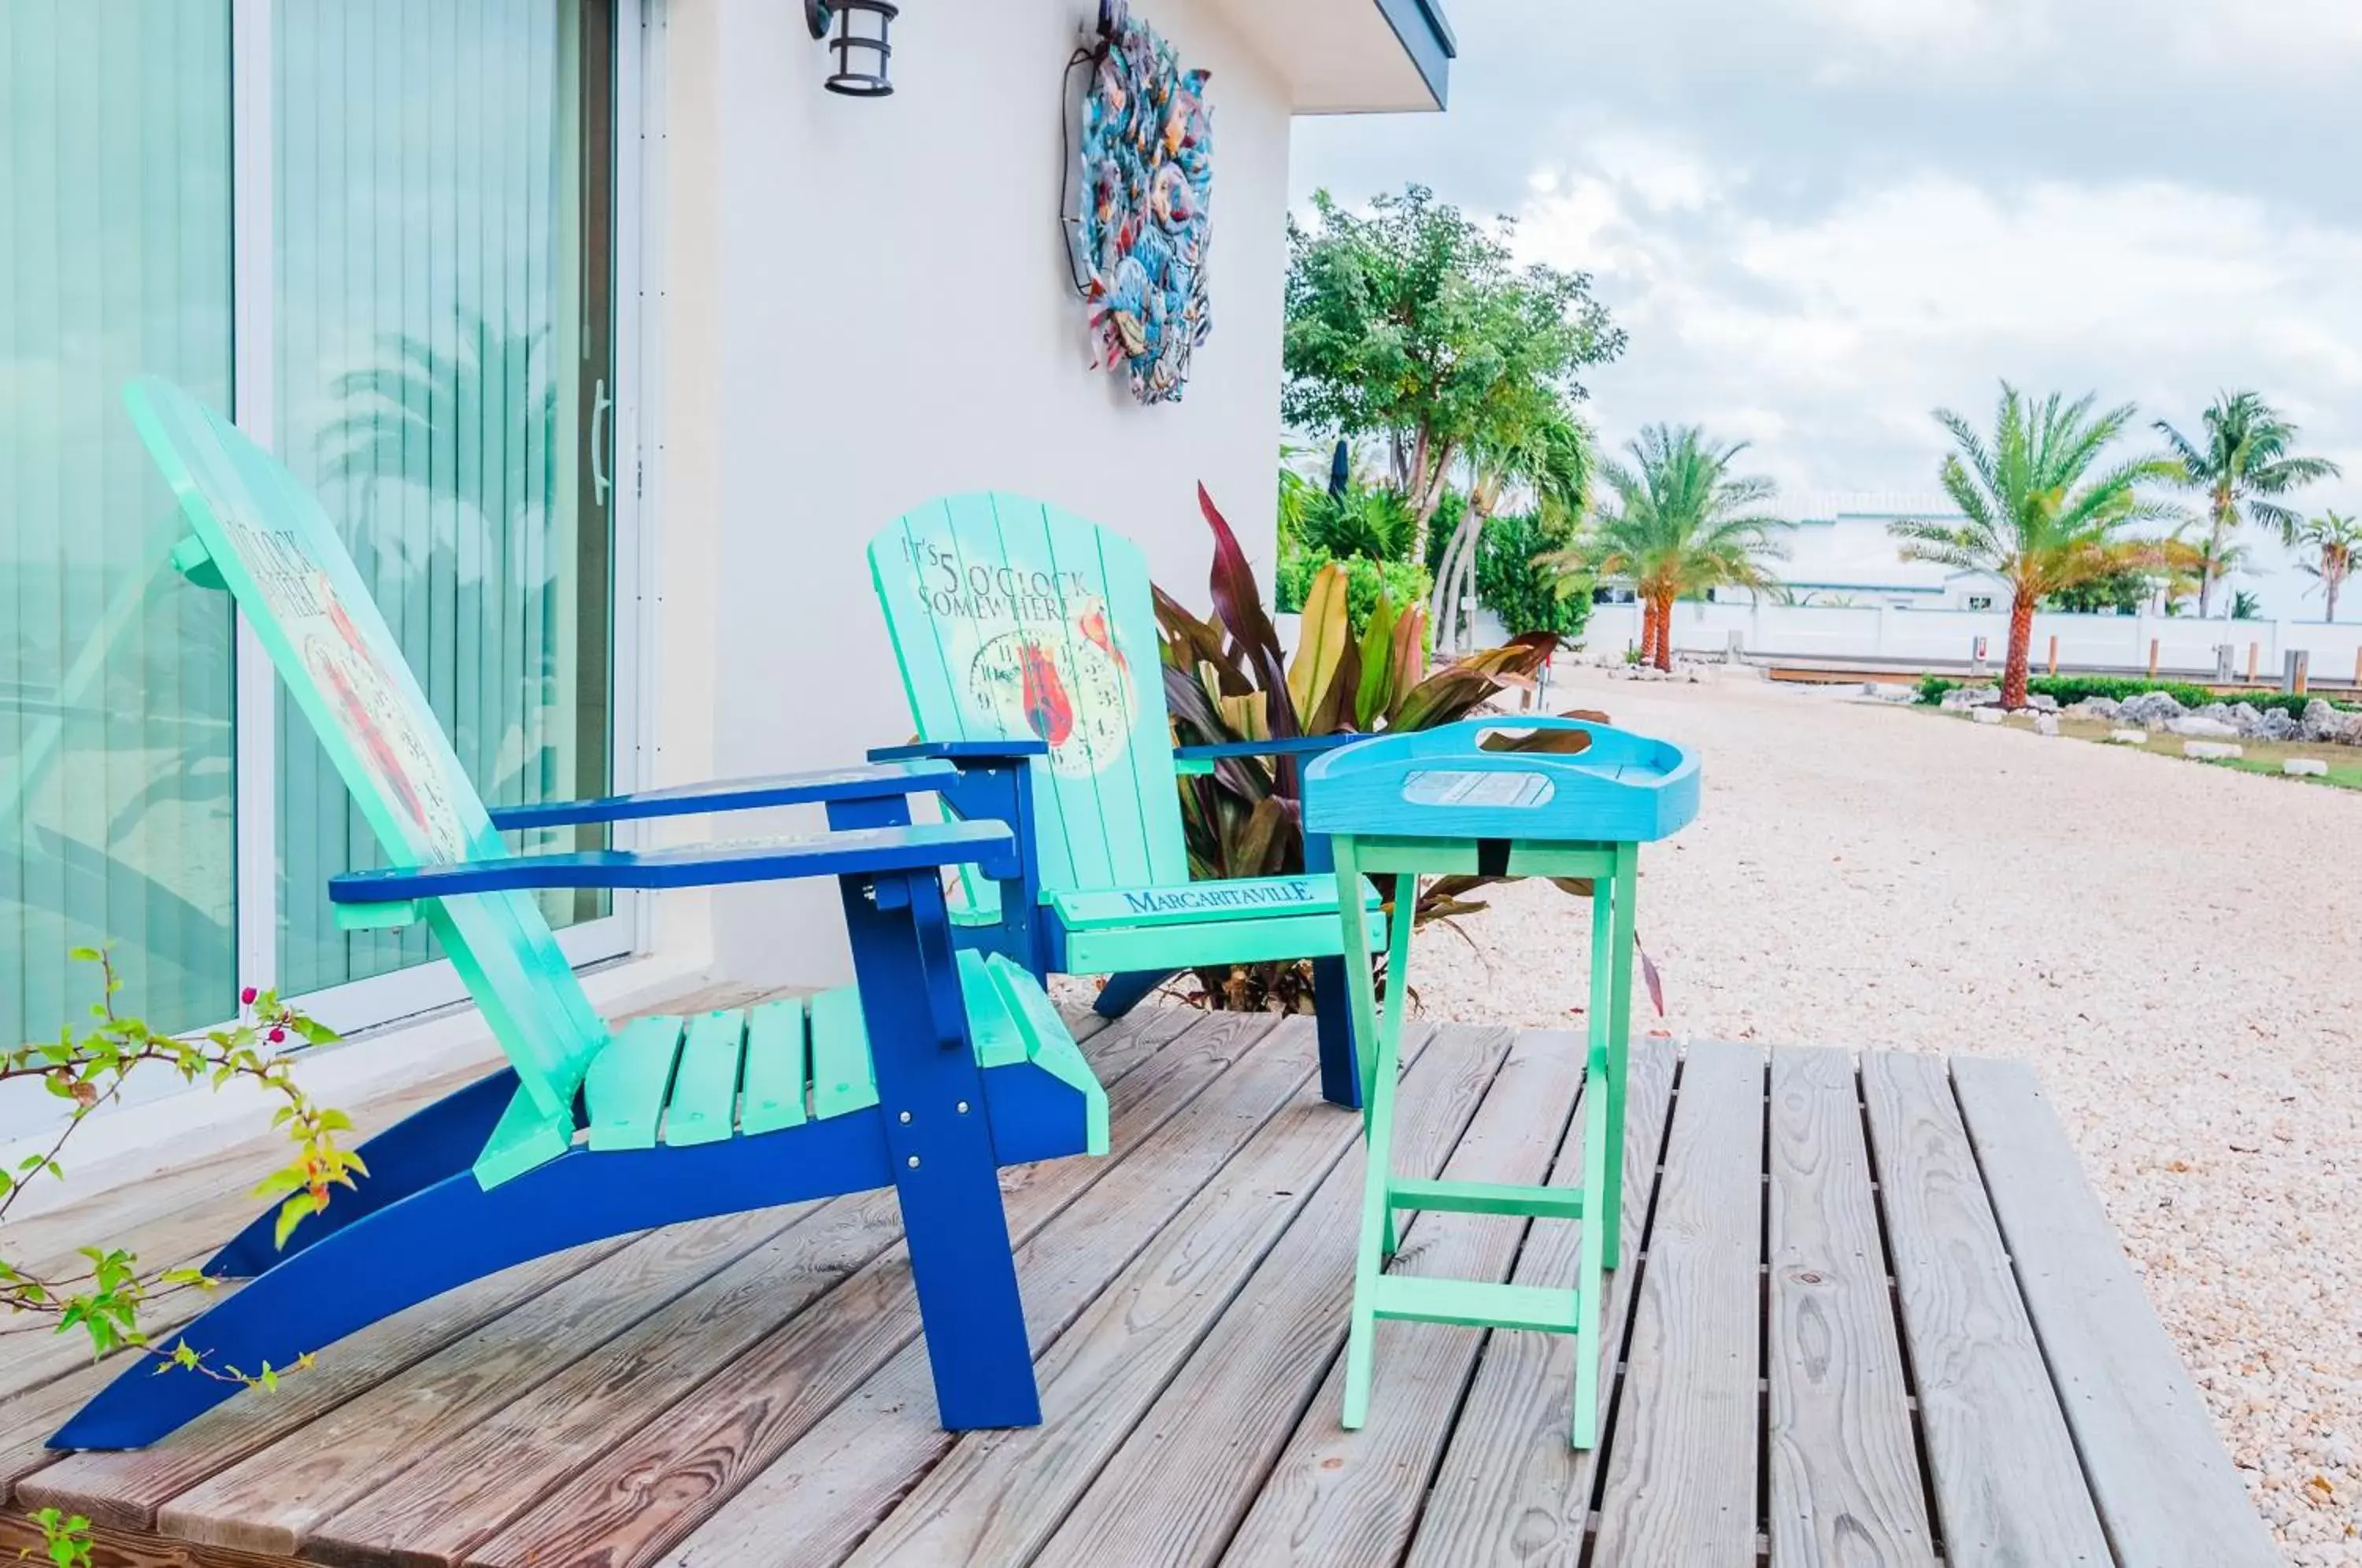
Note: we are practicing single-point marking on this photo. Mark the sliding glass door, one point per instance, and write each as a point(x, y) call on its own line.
point(442, 377)
point(116, 822)
point(381, 235)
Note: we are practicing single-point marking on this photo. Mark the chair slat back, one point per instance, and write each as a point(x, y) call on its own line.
point(275, 550)
point(1014, 620)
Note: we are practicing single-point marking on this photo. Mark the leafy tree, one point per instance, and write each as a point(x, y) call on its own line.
point(1681, 522)
point(2240, 462)
point(2042, 514)
point(1512, 584)
point(1370, 521)
point(1411, 324)
point(2335, 540)
point(2116, 593)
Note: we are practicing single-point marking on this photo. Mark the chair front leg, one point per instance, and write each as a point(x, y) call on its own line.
point(939, 1150)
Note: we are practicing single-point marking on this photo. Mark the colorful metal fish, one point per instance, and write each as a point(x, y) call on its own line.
point(1142, 224)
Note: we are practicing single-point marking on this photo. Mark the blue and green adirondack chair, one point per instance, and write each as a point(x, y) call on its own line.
point(937, 1067)
point(1015, 621)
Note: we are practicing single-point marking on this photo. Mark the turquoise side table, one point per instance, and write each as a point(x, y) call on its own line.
point(1444, 803)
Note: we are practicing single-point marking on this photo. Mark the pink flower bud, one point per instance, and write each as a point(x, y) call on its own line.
point(247, 996)
point(276, 1035)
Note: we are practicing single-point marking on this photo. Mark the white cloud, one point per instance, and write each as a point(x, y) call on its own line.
point(1929, 35)
point(1826, 338)
point(1818, 219)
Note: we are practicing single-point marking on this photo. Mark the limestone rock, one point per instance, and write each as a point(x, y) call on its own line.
point(2203, 728)
point(2045, 724)
point(2212, 751)
point(2304, 768)
point(2128, 737)
point(2149, 709)
point(1987, 715)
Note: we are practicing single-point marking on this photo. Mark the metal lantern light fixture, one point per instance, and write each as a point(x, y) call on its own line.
point(862, 52)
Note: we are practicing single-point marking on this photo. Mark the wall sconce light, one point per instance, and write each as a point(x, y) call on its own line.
point(862, 52)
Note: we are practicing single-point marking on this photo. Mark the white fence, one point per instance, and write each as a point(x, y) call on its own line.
point(2184, 646)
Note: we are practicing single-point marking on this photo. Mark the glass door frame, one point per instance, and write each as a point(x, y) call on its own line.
point(425, 987)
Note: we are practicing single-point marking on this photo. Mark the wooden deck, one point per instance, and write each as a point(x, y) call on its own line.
point(1871, 1317)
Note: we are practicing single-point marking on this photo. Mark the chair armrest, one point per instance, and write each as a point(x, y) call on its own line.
point(865, 851)
point(962, 751)
point(1295, 746)
point(879, 781)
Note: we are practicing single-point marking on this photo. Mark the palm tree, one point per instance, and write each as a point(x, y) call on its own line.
point(2336, 539)
point(1682, 523)
point(2241, 463)
point(2041, 514)
point(1541, 449)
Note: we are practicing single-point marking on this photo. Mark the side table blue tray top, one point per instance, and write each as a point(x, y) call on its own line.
point(1444, 803)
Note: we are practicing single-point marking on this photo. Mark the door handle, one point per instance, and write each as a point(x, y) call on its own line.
point(599, 404)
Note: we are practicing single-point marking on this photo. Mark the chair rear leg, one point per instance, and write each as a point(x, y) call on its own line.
point(1332, 1003)
point(1123, 992)
point(440, 1140)
point(1333, 998)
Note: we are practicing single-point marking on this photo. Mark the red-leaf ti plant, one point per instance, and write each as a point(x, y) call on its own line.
point(1226, 680)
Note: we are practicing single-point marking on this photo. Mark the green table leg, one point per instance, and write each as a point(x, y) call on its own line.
point(1377, 1033)
point(1619, 1044)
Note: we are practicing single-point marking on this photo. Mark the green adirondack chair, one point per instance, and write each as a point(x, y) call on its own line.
point(935, 1069)
point(1014, 622)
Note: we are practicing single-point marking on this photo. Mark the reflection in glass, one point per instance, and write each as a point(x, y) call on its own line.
point(430, 321)
point(116, 821)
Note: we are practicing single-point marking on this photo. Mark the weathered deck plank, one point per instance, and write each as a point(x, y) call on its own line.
point(1682, 1463)
point(125, 1489)
point(1511, 1489)
point(1173, 1492)
point(765, 1368)
point(750, 1390)
point(2168, 1495)
point(1353, 1497)
point(2009, 1490)
point(738, 1269)
point(274, 1494)
point(873, 1448)
point(1845, 1465)
point(996, 1496)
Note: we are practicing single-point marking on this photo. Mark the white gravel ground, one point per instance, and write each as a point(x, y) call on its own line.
point(2173, 947)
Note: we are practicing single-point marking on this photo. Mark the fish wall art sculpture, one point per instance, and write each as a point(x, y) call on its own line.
point(1145, 187)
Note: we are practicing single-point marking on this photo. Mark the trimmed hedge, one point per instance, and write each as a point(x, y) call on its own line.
point(2069, 690)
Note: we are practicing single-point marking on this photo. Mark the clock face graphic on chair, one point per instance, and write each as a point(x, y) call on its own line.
point(1069, 691)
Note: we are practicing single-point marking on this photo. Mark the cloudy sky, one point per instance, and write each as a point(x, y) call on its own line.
point(1820, 220)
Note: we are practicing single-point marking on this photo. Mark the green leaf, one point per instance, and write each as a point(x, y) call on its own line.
point(291, 1213)
point(1323, 641)
point(1374, 690)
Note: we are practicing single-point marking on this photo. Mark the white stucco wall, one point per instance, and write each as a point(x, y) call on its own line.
point(866, 304)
